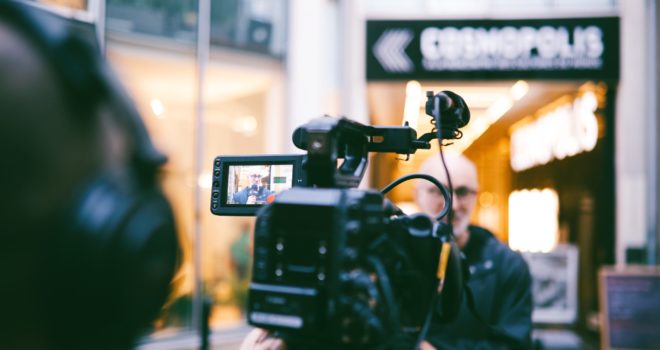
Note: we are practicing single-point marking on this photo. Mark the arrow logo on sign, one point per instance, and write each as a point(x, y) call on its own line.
point(390, 48)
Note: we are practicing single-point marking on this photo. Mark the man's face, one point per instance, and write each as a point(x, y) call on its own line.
point(430, 199)
point(255, 179)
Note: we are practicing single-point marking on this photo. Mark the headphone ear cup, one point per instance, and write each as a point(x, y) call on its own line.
point(110, 255)
point(118, 261)
point(149, 253)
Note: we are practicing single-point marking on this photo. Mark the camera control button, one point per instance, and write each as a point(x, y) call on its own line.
point(353, 227)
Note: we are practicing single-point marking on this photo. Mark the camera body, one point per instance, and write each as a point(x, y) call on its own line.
point(316, 255)
point(335, 266)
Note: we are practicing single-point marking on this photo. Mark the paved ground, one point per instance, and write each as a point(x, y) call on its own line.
point(230, 339)
point(227, 339)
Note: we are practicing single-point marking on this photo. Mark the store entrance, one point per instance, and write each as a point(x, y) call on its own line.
point(544, 154)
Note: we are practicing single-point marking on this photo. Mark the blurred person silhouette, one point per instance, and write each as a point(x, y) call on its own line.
point(89, 247)
point(240, 251)
point(499, 278)
point(255, 192)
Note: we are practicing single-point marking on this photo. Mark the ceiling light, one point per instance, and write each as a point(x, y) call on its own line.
point(519, 90)
point(157, 107)
point(246, 125)
point(412, 104)
point(497, 109)
point(204, 180)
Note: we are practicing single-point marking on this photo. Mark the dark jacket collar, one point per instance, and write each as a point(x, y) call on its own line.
point(479, 238)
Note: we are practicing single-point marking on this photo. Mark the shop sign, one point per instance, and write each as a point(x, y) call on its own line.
point(565, 131)
point(575, 48)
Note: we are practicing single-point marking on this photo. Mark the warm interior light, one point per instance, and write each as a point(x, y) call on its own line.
point(478, 127)
point(480, 122)
point(412, 103)
point(497, 109)
point(246, 125)
point(519, 90)
point(157, 107)
point(204, 180)
point(408, 207)
point(533, 220)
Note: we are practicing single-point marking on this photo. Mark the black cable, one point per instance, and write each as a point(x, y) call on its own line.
point(449, 198)
point(450, 214)
point(386, 287)
point(427, 319)
point(445, 193)
point(438, 124)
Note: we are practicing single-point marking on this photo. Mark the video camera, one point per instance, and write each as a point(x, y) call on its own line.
point(335, 266)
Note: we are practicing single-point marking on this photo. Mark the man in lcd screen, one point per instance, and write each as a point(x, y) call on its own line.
point(256, 192)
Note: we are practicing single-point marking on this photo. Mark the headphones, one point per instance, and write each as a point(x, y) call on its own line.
point(111, 262)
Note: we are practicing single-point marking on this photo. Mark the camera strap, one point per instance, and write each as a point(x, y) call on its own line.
point(442, 265)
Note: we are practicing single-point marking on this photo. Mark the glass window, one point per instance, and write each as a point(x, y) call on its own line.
point(252, 25)
point(71, 4)
point(162, 83)
point(232, 125)
point(172, 19)
point(242, 114)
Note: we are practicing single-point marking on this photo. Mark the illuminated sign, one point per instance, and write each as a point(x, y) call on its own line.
point(566, 48)
point(509, 47)
point(563, 132)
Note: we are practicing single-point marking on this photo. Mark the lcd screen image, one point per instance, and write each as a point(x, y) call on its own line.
point(257, 184)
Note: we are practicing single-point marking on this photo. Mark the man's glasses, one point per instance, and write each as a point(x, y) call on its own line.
point(459, 192)
point(255, 176)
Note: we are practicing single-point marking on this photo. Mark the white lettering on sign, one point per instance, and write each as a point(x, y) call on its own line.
point(510, 48)
point(565, 131)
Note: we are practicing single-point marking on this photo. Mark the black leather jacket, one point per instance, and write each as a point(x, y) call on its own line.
point(502, 287)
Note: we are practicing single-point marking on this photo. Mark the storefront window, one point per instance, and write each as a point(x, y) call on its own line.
point(253, 25)
point(70, 4)
point(173, 19)
point(240, 115)
point(233, 125)
point(162, 83)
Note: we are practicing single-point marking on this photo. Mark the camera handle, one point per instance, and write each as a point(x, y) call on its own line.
point(327, 139)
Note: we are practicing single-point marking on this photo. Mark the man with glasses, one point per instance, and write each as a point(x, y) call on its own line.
point(256, 192)
point(499, 278)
